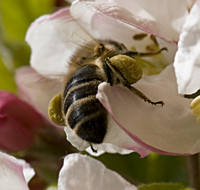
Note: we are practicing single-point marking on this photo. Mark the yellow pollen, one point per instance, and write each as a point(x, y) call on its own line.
point(128, 67)
point(55, 110)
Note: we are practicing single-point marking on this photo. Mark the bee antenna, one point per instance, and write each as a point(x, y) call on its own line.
point(135, 53)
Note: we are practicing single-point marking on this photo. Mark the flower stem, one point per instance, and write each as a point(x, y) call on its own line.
point(194, 171)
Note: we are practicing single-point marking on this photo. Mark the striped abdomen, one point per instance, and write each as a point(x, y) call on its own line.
point(83, 111)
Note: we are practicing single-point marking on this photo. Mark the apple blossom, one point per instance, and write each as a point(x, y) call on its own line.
point(170, 129)
point(15, 174)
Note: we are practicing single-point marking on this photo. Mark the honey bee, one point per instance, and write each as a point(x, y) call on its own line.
point(96, 62)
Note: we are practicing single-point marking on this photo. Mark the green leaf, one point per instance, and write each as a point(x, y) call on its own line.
point(17, 15)
point(154, 168)
point(6, 80)
point(20, 54)
point(162, 186)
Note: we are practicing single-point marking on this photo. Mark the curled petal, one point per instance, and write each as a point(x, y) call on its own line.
point(82, 172)
point(170, 129)
point(14, 173)
point(187, 59)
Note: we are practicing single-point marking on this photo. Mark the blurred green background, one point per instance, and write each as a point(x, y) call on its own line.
point(15, 18)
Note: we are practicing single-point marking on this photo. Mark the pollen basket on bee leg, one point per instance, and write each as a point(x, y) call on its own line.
point(55, 110)
point(128, 67)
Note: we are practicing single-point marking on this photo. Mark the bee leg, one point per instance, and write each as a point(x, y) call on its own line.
point(135, 53)
point(142, 96)
point(109, 74)
point(123, 80)
point(92, 148)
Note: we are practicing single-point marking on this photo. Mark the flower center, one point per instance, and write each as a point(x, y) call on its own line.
point(150, 65)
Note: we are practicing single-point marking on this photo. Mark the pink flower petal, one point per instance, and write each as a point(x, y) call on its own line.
point(187, 60)
point(81, 172)
point(11, 175)
point(170, 129)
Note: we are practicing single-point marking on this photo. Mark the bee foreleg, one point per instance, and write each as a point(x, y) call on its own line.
point(135, 53)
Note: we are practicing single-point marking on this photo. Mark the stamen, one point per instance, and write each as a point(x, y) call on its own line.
point(195, 108)
point(195, 103)
point(139, 36)
point(153, 38)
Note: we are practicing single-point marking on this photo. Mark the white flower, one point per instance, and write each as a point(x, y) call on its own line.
point(170, 129)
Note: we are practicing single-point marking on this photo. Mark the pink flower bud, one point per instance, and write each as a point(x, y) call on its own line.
point(18, 123)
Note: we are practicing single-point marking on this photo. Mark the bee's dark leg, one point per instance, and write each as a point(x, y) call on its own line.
point(123, 80)
point(142, 96)
point(135, 53)
point(109, 74)
point(92, 148)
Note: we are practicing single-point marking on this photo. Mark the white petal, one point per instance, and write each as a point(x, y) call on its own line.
point(75, 140)
point(190, 3)
point(156, 10)
point(52, 41)
point(187, 59)
point(146, 15)
point(12, 176)
point(35, 89)
point(99, 25)
point(27, 170)
point(170, 129)
point(116, 136)
point(85, 173)
point(106, 147)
